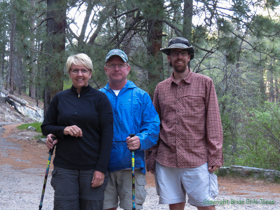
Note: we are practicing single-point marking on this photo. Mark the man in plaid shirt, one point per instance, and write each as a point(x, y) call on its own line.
point(190, 145)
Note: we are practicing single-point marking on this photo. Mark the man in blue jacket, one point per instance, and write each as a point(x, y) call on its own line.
point(134, 113)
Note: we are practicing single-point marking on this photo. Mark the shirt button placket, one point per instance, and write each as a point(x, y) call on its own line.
point(180, 105)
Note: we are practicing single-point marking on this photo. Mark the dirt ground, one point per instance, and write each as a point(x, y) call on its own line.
point(34, 155)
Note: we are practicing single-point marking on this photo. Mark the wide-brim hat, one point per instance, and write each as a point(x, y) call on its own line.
point(116, 52)
point(178, 43)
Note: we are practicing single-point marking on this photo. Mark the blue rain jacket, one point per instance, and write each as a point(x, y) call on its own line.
point(134, 113)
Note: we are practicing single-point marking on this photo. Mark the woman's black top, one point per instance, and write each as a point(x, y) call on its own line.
point(92, 112)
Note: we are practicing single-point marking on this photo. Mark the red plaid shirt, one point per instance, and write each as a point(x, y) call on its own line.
point(191, 130)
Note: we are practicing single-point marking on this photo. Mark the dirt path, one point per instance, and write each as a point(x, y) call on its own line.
point(20, 153)
point(21, 148)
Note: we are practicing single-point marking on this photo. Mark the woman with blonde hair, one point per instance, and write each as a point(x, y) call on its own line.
point(81, 120)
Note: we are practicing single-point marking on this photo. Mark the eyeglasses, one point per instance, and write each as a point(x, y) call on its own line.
point(113, 66)
point(176, 53)
point(83, 71)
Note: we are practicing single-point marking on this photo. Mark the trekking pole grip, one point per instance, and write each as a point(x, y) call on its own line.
point(131, 135)
point(51, 150)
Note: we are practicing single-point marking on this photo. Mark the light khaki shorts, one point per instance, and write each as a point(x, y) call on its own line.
point(119, 190)
point(173, 184)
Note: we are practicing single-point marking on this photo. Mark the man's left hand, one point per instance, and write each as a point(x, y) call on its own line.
point(213, 168)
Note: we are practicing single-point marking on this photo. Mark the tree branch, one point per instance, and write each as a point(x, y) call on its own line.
point(133, 10)
point(46, 19)
point(177, 31)
point(102, 20)
point(84, 26)
point(129, 28)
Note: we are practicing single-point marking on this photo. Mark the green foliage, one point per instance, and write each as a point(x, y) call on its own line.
point(200, 33)
point(228, 44)
point(151, 9)
point(241, 8)
point(262, 25)
point(260, 146)
point(230, 114)
point(36, 125)
point(224, 26)
point(67, 83)
point(272, 4)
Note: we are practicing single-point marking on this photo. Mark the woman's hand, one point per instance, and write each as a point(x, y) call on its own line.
point(50, 142)
point(73, 130)
point(97, 179)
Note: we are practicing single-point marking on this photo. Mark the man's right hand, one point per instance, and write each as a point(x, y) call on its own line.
point(50, 142)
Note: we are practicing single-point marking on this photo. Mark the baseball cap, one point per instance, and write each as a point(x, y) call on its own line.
point(117, 52)
point(178, 43)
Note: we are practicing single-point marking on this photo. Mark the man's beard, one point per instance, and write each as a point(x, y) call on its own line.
point(180, 69)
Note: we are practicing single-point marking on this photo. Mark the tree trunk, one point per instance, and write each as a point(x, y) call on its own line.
point(3, 47)
point(32, 78)
point(154, 39)
point(276, 90)
point(3, 63)
point(127, 40)
point(271, 87)
point(187, 27)
point(155, 55)
point(55, 45)
point(12, 47)
point(20, 75)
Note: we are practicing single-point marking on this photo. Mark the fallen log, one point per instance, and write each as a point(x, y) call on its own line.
point(9, 101)
point(21, 102)
point(18, 100)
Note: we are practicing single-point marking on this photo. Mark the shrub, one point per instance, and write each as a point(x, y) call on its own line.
point(36, 125)
point(260, 146)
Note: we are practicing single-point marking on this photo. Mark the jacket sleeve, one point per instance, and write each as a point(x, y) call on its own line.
point(151, 153)
point(213, 127)
point(106, 125)
point(50, 124)
point(149, 130)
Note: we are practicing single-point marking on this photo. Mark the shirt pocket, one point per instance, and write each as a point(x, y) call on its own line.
point(193, 105)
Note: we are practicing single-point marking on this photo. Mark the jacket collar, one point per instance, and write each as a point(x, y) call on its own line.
point(83, 90)
point(128, 85)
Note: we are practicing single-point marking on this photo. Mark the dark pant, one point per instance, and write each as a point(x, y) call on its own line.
point(73, 190)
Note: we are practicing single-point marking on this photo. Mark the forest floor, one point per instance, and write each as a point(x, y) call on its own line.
point(21, 154)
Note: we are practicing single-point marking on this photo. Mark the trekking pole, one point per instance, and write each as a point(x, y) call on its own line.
point(133, 176)
point(46, 176)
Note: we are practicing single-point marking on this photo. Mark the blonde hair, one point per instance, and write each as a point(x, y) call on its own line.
point(79, 59)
